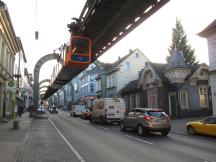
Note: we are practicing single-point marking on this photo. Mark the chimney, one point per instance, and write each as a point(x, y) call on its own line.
point(130, 50)
point(119, 57)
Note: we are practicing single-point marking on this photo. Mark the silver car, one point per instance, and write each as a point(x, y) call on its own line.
point(146, 120)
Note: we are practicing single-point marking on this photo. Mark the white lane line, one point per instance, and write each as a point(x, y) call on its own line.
point(103, 128)
point(139, 139)
point(68, 143)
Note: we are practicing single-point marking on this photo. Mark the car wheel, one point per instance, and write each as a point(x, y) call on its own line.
point(140, 130)
point(190, 130)
point(122, 126)
point(91, 120)
point(164, 133)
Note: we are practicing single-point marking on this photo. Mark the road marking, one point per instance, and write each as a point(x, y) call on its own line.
point(139, 139)
point(68, 143)
point(103, 128)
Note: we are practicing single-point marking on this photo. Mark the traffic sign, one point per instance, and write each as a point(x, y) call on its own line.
point(11, 85)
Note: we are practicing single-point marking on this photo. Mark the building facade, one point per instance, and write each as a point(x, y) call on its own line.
point(210, 34)
point(88, 85)
point(124, 70)
point(179, 89)
point(8, 49)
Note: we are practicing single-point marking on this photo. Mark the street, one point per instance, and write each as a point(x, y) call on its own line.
point(65, 138)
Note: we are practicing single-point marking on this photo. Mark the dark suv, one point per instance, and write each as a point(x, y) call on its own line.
point(146, 120)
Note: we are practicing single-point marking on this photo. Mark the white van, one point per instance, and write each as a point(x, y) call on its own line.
point(76, 110)
point(108, 110)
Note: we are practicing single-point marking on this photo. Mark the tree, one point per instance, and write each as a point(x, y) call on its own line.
point(180, 42)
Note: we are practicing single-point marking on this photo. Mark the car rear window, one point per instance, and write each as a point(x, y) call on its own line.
point(156, 113)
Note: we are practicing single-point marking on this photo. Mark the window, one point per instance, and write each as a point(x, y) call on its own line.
point(98, 85)
point(92, 88)
point(137, 100)
point(3, 54)
point(203, 96)
point(184, 99)
point(152, 97)
point(92, 77)
point(138, 112)
point(126, 101)
point(131, 101)
point(210, 120)
point(127, 66)
point(137, 55)
point(132, 112)
point(111, 81)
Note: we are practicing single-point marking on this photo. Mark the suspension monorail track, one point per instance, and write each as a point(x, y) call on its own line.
point(104, 22)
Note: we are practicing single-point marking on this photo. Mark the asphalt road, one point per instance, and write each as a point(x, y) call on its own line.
point(65, 138)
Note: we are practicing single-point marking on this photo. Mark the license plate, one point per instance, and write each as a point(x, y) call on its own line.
point(110, 114)
point(161, 120)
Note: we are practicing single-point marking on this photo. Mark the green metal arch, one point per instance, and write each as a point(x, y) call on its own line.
point(41, 87)
point(44, 81)
point(64, 91)
point(44, 59)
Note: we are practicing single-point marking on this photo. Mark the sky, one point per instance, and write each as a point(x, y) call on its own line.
point(153, 37)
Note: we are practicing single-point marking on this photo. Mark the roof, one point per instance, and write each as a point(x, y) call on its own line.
point(176, 60)
point(131, 86)
point(113, 67)
point(193, 69)
point(210, 29)
point(160, 70)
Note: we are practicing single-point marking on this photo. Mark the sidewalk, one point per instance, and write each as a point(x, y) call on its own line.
point(11, 140)
point(179, 125)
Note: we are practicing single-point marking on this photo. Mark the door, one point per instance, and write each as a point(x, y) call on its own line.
point(129, 118)
point(172, 104)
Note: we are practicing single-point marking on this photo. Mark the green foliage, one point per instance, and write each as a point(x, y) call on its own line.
point(180, 42)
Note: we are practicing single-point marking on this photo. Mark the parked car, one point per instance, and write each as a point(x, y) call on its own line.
point(86, 114)
point(53, 110)
point(108, 110)
point(76, 110)
point(146, 120)
point(206, 126)
point(40, 110)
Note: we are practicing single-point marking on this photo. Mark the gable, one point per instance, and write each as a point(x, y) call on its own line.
point(200, 73)
point(149, 77)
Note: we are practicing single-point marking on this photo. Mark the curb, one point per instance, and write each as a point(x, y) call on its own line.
point(23, 143)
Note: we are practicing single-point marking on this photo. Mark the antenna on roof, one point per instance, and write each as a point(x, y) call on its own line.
point(36, 31)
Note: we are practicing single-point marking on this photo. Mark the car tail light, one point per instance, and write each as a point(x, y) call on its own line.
point(168, 117)
point(148, 118)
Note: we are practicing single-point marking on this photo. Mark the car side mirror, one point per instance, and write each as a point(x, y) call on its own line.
point(204, 122)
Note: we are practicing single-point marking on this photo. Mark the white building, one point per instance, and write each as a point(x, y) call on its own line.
point(123, 71)
point(210, 34)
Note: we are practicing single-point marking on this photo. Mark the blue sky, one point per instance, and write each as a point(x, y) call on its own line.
point(152, 37)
